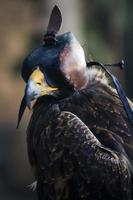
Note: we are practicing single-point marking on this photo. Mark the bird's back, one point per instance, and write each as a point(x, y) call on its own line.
point(99, 108)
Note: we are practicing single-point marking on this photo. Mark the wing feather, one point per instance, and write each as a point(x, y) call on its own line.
point(71, 163)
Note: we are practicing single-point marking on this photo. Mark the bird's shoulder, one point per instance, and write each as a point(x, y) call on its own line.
point(97, 106)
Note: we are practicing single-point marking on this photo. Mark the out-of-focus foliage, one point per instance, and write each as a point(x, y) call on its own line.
point(105, 28)
point(109, 33)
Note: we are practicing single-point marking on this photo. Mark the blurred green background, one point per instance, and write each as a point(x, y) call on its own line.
point(105, 30)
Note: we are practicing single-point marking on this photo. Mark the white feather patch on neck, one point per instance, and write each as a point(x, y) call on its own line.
point(96, 75)
point(84, 78)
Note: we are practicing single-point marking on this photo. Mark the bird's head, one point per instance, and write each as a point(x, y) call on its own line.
point(50, 67)
point(37, 86)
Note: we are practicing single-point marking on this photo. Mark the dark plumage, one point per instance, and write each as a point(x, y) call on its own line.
point(80, 147)
point(80, 139)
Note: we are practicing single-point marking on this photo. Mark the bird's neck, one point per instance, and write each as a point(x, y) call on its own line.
point(83, 78)
point(78, 79)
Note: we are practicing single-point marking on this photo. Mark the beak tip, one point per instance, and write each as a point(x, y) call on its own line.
point(21, 111)
point(17, 126)
point(29, 107)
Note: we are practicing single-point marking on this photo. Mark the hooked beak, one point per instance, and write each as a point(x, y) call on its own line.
point(35, 87)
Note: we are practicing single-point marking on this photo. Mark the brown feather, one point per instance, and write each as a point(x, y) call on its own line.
point(81, 145)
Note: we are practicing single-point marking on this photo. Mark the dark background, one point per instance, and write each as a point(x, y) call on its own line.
point(104, 28)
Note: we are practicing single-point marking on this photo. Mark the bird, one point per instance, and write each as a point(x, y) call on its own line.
point(80, 135)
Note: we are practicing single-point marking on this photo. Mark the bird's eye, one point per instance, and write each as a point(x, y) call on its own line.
point(38, 83)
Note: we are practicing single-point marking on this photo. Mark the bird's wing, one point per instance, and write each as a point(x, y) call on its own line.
point(71, 163)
